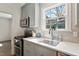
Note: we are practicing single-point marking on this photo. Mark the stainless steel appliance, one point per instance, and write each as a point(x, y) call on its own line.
point(25, 23)
point(19, 42)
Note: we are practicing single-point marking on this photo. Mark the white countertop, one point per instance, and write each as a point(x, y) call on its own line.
point(65, 47)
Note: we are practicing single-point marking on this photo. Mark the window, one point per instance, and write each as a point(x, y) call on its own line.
point(56, 16)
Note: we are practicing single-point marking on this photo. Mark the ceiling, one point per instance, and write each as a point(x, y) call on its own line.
point(5, 15)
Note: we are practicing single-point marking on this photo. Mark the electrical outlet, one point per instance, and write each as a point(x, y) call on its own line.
point(75, 34)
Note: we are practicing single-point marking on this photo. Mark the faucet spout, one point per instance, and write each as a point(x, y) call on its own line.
point(49, 31)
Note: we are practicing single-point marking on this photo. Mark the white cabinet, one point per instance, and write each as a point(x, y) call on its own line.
point(77, 14)
point(43, 51)
point(31, 49)
point(28, 49)
point(31, 10)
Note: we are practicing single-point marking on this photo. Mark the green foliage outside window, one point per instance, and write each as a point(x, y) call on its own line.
point(54, 26)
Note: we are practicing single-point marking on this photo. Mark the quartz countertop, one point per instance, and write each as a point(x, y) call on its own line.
point(65, 47)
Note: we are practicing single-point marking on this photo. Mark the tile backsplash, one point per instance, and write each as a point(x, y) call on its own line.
point(68, 36)
point(65, 36)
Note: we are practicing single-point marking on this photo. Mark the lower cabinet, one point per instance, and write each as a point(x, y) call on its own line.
point(43, 51)
point(28, 49)
point(31, 49)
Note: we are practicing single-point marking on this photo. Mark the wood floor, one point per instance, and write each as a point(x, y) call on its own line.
point(5, 49)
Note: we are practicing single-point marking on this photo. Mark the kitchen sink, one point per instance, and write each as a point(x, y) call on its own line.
point(47, 41)
point(50, 42)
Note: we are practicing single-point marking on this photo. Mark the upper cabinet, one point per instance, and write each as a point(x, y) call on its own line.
point(75, 18)
point(31, 10)
point(77, 14)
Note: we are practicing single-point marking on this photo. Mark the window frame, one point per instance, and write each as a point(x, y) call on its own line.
point(67, 16)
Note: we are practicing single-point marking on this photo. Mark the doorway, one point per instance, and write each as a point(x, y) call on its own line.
point(5, 34)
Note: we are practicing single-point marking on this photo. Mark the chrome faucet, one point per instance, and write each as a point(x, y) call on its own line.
point(50, 30)
point(54, 34)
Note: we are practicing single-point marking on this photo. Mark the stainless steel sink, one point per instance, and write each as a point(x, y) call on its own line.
point(50, 42)
point(47, 41)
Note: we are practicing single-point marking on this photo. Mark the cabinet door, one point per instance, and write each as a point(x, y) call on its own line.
point(43, 51)
point(29, 10)
point(28, 49)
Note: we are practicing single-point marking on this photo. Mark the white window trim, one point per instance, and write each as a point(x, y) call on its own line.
point(67, 15)
point(75, 14)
